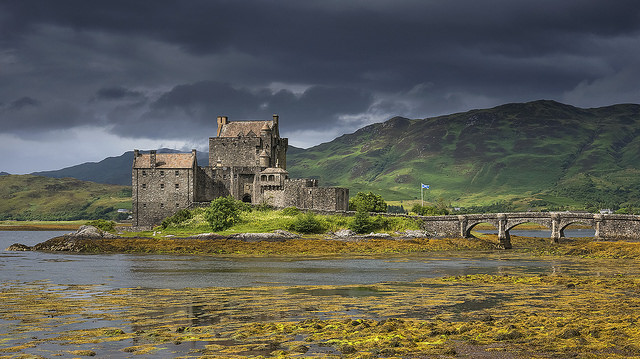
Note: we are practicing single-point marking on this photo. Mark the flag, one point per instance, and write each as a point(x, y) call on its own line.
point(425, 185)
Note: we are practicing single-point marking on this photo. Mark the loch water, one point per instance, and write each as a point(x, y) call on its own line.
point(198, 271)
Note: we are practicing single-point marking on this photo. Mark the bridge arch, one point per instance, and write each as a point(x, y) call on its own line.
point(566, 223)
point(472, 222)
point(471, 226)
point(511, 223)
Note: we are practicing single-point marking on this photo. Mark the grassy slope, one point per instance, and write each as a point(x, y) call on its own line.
point(541, 153)
point(26, 197)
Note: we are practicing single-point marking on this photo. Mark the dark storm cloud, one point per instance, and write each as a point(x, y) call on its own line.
point(117, 93)
point(22, 103)
point(187, 109)
point(191, 61)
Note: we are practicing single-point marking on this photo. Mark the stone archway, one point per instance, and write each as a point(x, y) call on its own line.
point(246, 198)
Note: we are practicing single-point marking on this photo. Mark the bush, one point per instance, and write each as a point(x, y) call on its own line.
point(264, 206)
point(361, 223)
point(368, 202)
point(180, 216)
point(429, 211)
point(290, 211)
point(396, 209)
point(306, 223)
point(104, 225)
point(223, 213)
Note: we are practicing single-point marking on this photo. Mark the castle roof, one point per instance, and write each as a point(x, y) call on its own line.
point(244, 128)
point(165, 160)
point(274, 170)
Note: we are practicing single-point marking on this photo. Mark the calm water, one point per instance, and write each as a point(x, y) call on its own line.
point(172, 271)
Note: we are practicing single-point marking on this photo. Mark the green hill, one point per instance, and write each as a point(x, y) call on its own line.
point(28, 197)
point(537, 155)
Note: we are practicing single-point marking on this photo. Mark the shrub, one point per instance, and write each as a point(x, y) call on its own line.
point(368, 202)
point(396, 209)
point(290, 211)
point(179, 217)
point(264, 206)
point(104, 225)
point(306, 223)
point(223, 213)
point(362, 223)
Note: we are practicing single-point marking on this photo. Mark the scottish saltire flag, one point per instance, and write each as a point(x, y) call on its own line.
point(425, 185)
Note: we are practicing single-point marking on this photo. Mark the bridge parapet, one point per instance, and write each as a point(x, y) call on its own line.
point(606, 226)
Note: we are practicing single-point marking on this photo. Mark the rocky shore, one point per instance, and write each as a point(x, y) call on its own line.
point(92, 240)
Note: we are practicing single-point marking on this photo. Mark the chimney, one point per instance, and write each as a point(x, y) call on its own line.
point(274, 128)
point(222, 120)
point(152, 158)
point(136, 154)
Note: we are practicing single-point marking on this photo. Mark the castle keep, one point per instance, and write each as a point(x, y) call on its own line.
point(247, 160)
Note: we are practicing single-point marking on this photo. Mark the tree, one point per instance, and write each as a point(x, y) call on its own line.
point(223, 213)
point(368, 202)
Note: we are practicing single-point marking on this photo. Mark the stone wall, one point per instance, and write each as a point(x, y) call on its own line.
point(159, 193)
point(612, 226)
point(305, 194)
point(234, 151)
point(212, 183)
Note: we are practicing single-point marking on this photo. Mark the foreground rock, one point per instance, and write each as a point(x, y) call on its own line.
point(63, 244)
point(277, 235)
point(17, 247)
point(91, 232)
point(68, 242)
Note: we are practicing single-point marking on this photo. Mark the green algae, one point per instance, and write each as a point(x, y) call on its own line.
point(540, 316)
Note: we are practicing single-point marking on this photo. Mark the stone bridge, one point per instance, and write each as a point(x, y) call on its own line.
point(606, 226)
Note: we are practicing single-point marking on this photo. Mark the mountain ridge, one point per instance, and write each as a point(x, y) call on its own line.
point(539, 154)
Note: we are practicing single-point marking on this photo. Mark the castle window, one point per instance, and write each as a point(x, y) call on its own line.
point(271, 178)
point(161, 205)
point(161, 185)
point(144, 173)
point(177, 205)
point(177, 185)
point(263, 177)
point(177, 173)
point(144, 205)
point(144, 185)
point(161, 173)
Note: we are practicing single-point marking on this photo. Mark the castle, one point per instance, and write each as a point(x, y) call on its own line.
point(247, 160)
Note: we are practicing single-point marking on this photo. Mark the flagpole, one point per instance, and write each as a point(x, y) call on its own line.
point(421, 195)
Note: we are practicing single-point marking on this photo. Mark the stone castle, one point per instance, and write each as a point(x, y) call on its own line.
point(247, 160)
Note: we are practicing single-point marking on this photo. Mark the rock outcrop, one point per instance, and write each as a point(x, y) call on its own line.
point(17, 247)
point(91, 232)
point(277, 235)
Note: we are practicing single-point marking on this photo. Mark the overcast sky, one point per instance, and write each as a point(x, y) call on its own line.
point(82, 80)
